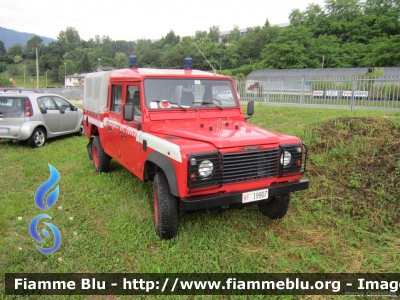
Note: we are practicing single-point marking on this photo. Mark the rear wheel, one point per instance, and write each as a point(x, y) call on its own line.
point(165, 208)
point(101, 160)
point(38, 138)
point(276, 208)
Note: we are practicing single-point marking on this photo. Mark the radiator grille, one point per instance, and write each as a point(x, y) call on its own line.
point(249, 166)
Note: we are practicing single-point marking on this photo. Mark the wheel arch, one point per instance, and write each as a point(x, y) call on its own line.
point(158, 161)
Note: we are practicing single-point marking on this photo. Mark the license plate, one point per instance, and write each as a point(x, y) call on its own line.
point(4, 130)
point(255, 196)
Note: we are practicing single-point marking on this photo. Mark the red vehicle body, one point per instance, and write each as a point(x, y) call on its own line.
point(169, 126)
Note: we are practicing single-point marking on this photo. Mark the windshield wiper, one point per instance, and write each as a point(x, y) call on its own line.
point(211, 102)
point(184, 108)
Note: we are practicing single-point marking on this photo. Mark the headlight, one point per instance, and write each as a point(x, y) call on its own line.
point(288, 158)
point(206, 168)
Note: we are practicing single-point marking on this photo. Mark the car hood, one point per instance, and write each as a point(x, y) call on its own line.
point(221, 134)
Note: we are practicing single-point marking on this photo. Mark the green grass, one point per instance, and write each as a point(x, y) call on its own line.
point(106, 220)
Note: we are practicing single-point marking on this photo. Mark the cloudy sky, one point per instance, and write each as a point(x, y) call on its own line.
point(150, 19)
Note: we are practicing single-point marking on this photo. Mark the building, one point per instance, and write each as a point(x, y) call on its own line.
point(74, 80)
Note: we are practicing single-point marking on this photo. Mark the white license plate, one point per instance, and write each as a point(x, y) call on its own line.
point(4, 131)
point(255, 196)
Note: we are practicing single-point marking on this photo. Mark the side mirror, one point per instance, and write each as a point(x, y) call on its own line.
point(250, 110)
point(74, 108)
point(129, 111)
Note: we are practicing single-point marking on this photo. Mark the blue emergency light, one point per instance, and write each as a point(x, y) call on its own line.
point(132, 61)
point(188, 63)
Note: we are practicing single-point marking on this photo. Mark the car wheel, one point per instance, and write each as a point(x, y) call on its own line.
point(276, 208)
point(101, 160)
point(165, 208)
point(38, 138)
point(81, 130)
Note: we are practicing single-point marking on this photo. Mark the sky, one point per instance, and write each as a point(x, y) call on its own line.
point(130, 20)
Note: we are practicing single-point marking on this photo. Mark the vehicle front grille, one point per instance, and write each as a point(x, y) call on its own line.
point(249, 166)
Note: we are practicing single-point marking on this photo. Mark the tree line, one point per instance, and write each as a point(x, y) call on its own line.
point(342, 33)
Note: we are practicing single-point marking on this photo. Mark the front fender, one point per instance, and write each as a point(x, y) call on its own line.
point(165, 164)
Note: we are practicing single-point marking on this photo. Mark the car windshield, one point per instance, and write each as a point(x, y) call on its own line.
point(11, 106)
point(189, 93)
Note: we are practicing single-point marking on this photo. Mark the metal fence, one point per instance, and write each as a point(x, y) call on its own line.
point(341, 92)
point(75, 93)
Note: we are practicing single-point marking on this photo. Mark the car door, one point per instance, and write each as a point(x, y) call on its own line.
point(130, 147)
point(114, 121)
point(50, 113)
point(69, 117)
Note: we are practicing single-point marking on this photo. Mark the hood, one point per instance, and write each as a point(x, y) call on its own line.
point(220, 133)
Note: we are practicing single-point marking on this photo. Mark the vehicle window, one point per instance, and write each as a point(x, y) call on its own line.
point(189, 93)
point(133, 96)
point(47, 103)
point(116, 100)
point(12, 107)
point(62, 103)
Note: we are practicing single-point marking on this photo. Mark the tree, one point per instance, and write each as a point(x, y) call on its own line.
point(213, 34)
point(3, 51)
point(234, 35)
point(84, 65)
point(31, 46)
point(171, 39)
point(200, 34)
point(121, 60)
point(289, 50)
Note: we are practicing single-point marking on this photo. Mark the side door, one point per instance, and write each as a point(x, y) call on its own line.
point(69, 117)
point(50, 113)
point(131, 149)
point(114, 120)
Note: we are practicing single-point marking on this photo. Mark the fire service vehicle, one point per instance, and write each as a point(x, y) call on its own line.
point(185, 130)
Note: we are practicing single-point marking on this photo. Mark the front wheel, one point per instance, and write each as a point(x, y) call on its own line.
point(276, 208)
point(101, 160)
point(165, 208)
point(38, 138)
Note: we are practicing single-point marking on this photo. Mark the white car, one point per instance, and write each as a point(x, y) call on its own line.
point(227, 95)
point(35, 117)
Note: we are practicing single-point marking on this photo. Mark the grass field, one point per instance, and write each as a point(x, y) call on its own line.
point(347, 221)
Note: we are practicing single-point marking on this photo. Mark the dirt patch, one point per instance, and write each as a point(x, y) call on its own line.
point(355, 163)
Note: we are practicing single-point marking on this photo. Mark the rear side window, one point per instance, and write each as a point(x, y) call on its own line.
point(12, 107)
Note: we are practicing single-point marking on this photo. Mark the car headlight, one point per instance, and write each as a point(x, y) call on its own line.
point(286, 158)
point(206, 168)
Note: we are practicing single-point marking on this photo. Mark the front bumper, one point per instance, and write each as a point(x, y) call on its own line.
point(235, 199)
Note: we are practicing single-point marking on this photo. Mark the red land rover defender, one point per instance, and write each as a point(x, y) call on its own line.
point(185, 129)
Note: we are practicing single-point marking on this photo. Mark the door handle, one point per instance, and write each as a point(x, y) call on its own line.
point(109, 128)
point(121, 135)
point(62, 111)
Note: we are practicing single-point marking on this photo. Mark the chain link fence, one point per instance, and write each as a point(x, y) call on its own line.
point(342, 92)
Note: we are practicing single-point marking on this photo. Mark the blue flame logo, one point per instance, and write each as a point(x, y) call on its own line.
point(45, 187)
point(40, 203)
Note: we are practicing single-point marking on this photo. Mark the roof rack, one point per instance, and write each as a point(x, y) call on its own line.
point(21, 90)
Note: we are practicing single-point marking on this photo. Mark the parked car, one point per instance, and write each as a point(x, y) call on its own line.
point(227, 95)
point(35, 117)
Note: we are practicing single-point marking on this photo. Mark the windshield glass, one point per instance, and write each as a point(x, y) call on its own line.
point(189, 93)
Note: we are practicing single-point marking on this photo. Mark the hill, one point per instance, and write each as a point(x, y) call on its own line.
point(10, 37)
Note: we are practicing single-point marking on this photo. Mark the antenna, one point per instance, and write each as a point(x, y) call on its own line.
point(215, 72)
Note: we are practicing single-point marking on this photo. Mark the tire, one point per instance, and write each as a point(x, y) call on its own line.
point(276, 208)
point(38, 138)
point(101, 160)
point(81, 130)
point(165, 208)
